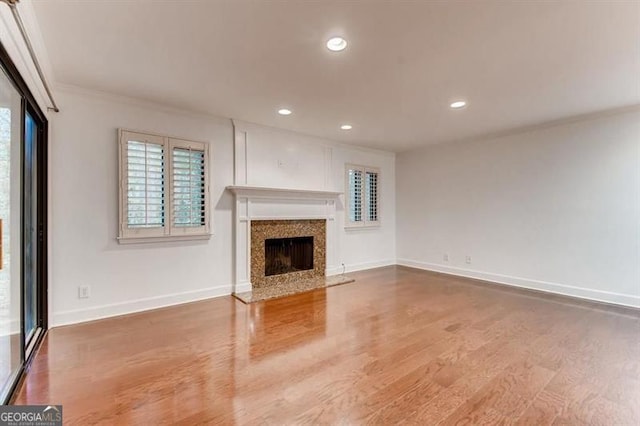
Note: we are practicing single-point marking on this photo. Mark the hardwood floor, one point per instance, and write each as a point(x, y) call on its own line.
point(396, 345)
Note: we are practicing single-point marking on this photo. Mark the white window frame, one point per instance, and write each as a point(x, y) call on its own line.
point(365, 222)
point(168, 232)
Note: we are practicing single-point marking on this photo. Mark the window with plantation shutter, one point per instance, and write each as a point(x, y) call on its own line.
point(145, 184)
point(163, 188)
point(362, 195)
point(371, 194)
point(188, 186)
point(355, 195)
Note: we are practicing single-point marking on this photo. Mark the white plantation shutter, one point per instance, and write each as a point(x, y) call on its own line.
point(164, 191)
point(188, 187)
point(145, 184)
point(362, 195)
point(372, 195)
point(355, 194)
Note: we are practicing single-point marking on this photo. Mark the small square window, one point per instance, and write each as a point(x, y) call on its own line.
point(362, 195)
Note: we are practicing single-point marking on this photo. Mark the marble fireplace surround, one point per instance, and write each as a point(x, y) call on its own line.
point(278, 204)
point(262, 230)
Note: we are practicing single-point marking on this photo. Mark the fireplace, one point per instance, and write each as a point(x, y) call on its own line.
point(262, 213)
point(285, 255)
point(286, 251)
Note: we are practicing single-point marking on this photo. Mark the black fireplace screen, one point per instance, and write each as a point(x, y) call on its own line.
point(284, 255)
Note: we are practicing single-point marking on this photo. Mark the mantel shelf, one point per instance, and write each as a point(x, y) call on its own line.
point(261, 191)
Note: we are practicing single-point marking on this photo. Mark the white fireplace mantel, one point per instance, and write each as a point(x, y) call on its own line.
point(281, 193)
point(264, 203)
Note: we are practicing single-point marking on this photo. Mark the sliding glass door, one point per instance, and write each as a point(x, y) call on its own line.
point(22, 225)
point(10, 225)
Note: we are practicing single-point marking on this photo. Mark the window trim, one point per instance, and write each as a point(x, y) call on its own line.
point(168, 232)
point(365, 223)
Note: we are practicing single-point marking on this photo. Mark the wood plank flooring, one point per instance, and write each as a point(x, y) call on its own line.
point(398, 345)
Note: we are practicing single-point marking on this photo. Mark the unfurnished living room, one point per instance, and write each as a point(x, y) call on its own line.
point(295, 212)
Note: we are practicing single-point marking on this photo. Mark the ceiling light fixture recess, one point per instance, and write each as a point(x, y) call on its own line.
point(458, 104)
point(346, 127)
point(336, 44)
point(284, 111)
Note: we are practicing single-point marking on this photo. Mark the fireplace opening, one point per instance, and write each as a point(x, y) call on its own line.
point(284, 255)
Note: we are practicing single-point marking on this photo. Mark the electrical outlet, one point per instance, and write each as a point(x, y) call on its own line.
point(445, 257)
point(83, 292)
point(468, 259)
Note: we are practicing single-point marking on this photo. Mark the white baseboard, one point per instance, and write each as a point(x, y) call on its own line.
point(360, 266)
point(129, 307)
point(139, 305)
point(549, 287)
point(242, 287)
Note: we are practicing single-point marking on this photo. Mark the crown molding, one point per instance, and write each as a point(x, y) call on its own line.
point(533, 127)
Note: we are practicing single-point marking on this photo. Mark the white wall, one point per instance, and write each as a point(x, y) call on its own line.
point(276, 158)
point(83, 230)
point(364, 248)
point(126, 278)
point(554, 209)
point(281, 159)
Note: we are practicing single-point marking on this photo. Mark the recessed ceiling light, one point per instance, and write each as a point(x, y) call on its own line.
point(346, 127)
point(284, 111)
point(458, 104)
point(336, 44)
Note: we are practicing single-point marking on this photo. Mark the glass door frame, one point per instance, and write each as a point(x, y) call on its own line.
point(40, 165)
point(30, 106)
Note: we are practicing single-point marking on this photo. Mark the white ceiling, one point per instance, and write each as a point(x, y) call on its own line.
point(517, 63)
